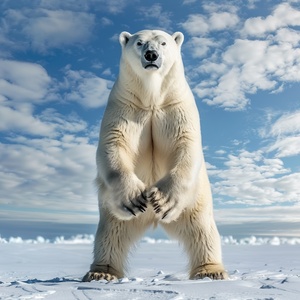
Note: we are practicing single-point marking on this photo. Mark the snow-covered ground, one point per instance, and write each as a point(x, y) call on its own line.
point(265, 268)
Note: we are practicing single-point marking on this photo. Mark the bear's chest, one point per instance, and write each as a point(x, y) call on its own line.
point(158, 132)
point(156, 145)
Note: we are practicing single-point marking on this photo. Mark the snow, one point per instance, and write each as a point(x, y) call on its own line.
point(259, 268)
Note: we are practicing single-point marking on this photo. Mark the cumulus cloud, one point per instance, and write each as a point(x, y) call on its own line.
point(22, 85)
point(247, 66)
point(47, 158)
point(56, 29)
point(288, 35)
point(284, 15)
point(227, 92)
point(200, 46)
point(251, 66)
point(196, 25)
point(223, 20)
point(86, 88)
point(250, 178)
point(48, 174)
point(46, 29)
point(22, 121)
point(200, 25)
point(22, 81)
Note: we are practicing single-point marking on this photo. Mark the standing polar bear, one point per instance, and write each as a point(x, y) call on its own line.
point(150, 161)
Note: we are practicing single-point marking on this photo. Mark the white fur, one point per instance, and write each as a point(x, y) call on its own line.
point(150, 154)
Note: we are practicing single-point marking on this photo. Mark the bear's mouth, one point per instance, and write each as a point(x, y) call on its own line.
point(151, 66)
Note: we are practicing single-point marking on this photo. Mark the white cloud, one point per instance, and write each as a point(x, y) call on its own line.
point(46, 29)
point(200, 46)
point(245, 51)
point(284, 134)
point(22, 85)
point(246, 67)
point(227, 92)
point(196, 25)
point(227, 75)
point(287, 146)
point(67, 123)
point(28, 162)
point(283, 15)
point(249, 178)
point(288, 123)
point(22, 121)
point(288, 35)
point(223, 20)
point(200, 25)
point(22, 81)
point(56, 29)
point(48, 174)
point(220, 152)
point(86, 88)
point(51, 171)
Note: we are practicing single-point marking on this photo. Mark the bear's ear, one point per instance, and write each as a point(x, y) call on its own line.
point(124, 38)
point(178, 37)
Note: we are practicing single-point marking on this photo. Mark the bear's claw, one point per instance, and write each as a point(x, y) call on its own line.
point(129, 209)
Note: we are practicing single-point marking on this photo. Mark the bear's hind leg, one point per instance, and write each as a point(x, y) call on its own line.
point(113, 241)
point(201, 240)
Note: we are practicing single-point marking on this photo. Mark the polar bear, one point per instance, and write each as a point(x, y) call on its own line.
point(150, 162)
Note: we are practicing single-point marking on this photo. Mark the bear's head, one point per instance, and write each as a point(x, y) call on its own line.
point(151, 50)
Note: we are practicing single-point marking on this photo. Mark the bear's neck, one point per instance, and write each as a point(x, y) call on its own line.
point(149, 90)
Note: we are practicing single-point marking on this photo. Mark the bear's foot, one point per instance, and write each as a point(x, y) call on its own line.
point(213, 271)
point(102, 272)
point(89, 276)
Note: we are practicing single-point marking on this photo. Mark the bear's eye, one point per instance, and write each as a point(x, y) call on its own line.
point(163, 43)
point(139, 43)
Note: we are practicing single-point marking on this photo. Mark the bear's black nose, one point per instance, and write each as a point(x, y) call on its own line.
point(151, 55)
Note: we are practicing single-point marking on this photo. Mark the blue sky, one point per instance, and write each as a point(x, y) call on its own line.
point(59, 59)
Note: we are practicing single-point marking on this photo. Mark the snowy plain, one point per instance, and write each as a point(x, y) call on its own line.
point(259, 268)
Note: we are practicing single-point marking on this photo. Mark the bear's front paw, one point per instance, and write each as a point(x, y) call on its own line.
point(129, 199)
point(135, 205)
point(165, 206)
